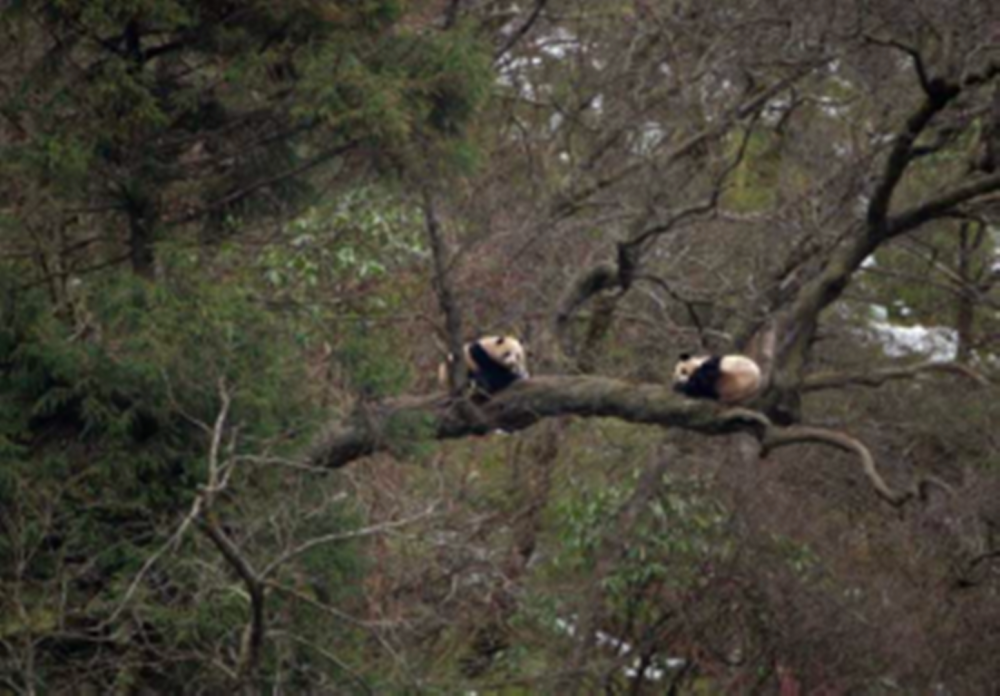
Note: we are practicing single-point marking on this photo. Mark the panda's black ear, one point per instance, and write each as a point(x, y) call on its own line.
point(684, 357)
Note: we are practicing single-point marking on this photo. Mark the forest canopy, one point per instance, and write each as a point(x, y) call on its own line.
point(237, 239)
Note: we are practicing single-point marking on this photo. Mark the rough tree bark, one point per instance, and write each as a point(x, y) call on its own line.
point(526, 403)
point(447, 301)
point(794, 325)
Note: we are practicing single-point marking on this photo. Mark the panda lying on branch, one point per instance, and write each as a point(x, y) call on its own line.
point(494, 363)
point(728, 379)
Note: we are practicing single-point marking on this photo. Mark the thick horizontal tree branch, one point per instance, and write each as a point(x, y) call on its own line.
point(520, 407)
point(876, 378)
point(524, 404)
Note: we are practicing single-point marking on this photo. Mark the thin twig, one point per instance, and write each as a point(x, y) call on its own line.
point(381, 528)
point(521, 31)
point(876, 378)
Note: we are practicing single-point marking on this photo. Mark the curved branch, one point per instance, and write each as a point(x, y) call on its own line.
point(901, 154)
point(940, 205)
point(253, 638)
point(677, 297)
point(600, 278)
point(918, 60)
point(876, 378)
point(782, 437)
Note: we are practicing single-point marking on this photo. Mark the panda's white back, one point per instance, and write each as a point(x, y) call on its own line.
point(741, 379)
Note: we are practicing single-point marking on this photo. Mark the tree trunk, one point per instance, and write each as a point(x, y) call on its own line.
point(141, 220)
point(965, 314)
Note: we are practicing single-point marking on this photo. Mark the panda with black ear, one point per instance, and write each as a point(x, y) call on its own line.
point(728, 379)
point(494, 363)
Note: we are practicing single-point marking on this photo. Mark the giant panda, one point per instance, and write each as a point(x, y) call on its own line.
point(494, 363)
point(728, 379)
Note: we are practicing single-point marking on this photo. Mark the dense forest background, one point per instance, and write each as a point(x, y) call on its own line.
point(237, 238)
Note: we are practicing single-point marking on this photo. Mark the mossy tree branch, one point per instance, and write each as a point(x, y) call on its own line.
point(525, 404)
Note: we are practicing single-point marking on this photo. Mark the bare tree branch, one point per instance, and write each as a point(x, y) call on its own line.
point(570, 204)
point(939, 95)
point(940, 205)
point(630, 254)
point(601, 278)
point(918, 60)
point(520, 407)
point(202, 500)
point(677, 297)
point(777, 438)
point(340, 664)
point(172, 543)
point(382, 528)
point(521, 31)
point(253, 639)
point(876, 378)
point(799, 323)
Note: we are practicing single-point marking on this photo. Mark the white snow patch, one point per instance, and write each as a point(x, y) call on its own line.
point(559, 43)
point(653, 672)
point(936, 342)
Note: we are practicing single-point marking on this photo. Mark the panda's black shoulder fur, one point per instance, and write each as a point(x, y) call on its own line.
point(703, 383)
point(489, 376)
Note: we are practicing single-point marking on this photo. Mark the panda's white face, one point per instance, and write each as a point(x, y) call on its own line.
point(507, 351)
point(686, 367)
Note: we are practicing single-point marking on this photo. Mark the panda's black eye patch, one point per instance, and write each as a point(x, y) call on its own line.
point(507, 354)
